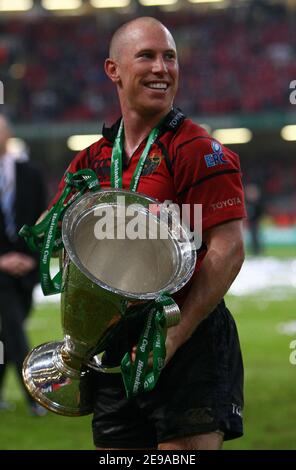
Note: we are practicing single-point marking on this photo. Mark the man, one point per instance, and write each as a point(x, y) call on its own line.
point(198, 400)
point(22, 198)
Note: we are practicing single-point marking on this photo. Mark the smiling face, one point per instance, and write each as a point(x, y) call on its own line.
point(145, 68)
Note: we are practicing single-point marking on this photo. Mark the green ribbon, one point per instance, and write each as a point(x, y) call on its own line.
point(138, 376)
point(116, 159)
point(45, 237)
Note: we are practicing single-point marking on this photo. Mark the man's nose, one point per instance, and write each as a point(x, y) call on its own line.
point(159, 65)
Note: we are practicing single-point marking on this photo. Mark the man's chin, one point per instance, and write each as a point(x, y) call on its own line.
point(152, 109)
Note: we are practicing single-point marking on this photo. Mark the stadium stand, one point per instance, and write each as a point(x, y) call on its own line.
point(231, 63)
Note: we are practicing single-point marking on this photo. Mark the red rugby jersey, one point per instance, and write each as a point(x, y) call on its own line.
point(185, 165)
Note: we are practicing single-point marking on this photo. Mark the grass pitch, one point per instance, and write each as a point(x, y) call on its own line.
point(270, 411)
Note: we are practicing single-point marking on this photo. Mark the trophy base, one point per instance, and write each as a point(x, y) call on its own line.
point(55, 385)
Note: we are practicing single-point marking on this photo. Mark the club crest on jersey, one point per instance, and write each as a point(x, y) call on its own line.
point(215, 158)
point(152, 163)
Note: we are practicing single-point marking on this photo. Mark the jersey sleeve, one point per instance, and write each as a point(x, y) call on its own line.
point(79, 162)
point(208, 173)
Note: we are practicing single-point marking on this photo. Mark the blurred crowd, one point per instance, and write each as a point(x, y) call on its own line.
point(230, 63)
point(276, 180)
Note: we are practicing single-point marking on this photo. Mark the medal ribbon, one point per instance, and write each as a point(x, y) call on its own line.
point(45, 237)
point(116, 159)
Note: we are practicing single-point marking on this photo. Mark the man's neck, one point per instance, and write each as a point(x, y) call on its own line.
point(137, 128)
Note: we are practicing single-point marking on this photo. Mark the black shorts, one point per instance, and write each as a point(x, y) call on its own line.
point(199, 391)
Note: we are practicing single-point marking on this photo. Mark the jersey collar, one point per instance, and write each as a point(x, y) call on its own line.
point(171, 122)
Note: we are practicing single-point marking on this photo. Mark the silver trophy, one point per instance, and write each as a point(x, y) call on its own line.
point(120, 248)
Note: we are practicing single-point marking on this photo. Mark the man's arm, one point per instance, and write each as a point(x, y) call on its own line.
point(221, 265)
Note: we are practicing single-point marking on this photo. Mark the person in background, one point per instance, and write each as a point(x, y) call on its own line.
point(255, 210)
point(22, 199)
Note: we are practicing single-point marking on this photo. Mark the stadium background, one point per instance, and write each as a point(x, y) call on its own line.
point(237, 61)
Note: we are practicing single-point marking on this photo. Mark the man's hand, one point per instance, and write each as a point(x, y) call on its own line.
point(16, 264)
point(41, 217)
point(170, 347)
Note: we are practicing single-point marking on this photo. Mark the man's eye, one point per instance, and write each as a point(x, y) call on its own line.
point(170, 56)
point(146, 55)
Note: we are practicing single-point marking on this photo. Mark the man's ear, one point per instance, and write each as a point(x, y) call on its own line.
point(111, 69)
